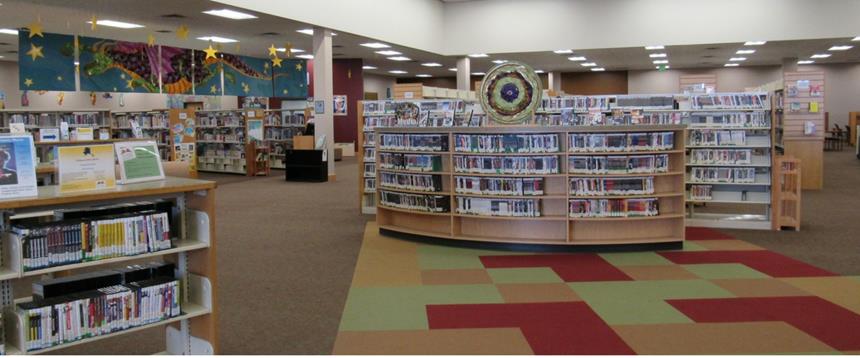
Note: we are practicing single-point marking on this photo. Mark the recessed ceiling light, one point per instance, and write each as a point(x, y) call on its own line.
point(657, 55)
point(588, 64)
point(738, 59)
point(840, 48)
point(576, 58)
point(295, 50)
point(1, 56)
point(654, 47)
point(663, 67)
point(563, 52)
point(820, 55)
point(423, 75)
point(731, 65)
point(452, 69)
point(310, 32)
point(660, 62)
point(230, 14)
point(478, 73)
point(217, 39)
point(478, 55)
point(745, 52)
point(754, 43)
point(805, 62)
point(117, 24)
point(388, 53)
point(431, 64)
point(499, 61)
point(538, 71)
point(397, 72)
point(856, 38)
point(9, 32)
point(306, 57)
point(368, 67)
point(375, 45)
point(400, 58)
point(598, 69)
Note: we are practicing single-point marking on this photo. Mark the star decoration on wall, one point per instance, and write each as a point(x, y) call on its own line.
point(286, 92)
point(182, 32)
point(150, 40)
point(28, 82)
point(94, 22)
point(213, 89)
point(35, 51)
point(266, 66)
point(59, 78)
point(36, 29)
point(276, 62)
point(129, 84)
point(210, 52)
point(298, 67)
point(272, 50)
point(246, 88)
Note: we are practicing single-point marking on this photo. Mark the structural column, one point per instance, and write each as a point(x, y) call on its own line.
point(554, 79)
point(464, 74)
point(324, 91)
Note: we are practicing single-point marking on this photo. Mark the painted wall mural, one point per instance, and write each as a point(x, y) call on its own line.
point(291, 79)
point(247, 76)
point(46, 62)
point(118, 66)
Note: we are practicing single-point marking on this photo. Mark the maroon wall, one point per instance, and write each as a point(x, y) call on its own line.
point(348, 80)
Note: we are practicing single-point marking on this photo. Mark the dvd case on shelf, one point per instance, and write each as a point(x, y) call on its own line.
point(498, 207)
point(611, 186)
point(620, 142)
point(645, 164)
point(418, 202)
point(499, 186)
point(412, 162)
point(506, 165)
point(416, 142)
point(416, 182)
point(613, 208)
point(507, 143)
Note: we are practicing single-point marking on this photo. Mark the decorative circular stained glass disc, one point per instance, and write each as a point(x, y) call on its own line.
point(510, 93)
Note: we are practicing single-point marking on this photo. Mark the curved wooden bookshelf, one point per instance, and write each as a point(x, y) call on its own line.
point(554, 228)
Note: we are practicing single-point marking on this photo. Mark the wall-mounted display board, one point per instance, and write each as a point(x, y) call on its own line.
point(803, 124)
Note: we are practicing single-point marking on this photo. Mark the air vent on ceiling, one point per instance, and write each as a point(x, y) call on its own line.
point(708, 56)
point(173, 16)
point(163, 31)
point(4, 43)
point(336, 46)
point(13, 51)
point(269, 34)
point(712, 48)
point(337, 54)
point(706, 63)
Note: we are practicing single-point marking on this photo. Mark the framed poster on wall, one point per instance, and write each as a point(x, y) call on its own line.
point(339, 105)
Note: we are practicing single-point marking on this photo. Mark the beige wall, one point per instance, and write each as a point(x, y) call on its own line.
point(841, 89)
point(728, 79)
point(378, 84)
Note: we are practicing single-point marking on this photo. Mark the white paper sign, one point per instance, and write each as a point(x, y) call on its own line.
point(49, 135)
point(17, 167)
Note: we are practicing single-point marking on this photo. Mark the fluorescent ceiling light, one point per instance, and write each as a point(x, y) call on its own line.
point(117, 24)
point(375, 45)
point(588, 64)
point(295, 50)
point(657, 55)
point(805, 62)
point(538, 71)
point(738, 59)
point(310, 32)
point(1, 56)
point(368, 67)
point(431, 64)
point(499, 61)
point(217, 39)
point(76, 62)
point(660, 62)
point(598, 69)
point(388, 53)
point(400, 58)
point(820, 55)
point(397, 72)
point(423, 75)
point(840, 48)
point(306, 57)
point(576, 58)
point(478, 73)
point(452, 69)
point(478, 55)
point(856, 38)
point(230, 14)
point(754, 43)
point(654, 47)
point(658, 67)
point(731, 65)
point(9, 31)
point(563, 52)
point(745, 52)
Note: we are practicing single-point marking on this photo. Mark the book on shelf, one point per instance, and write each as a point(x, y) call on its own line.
point(619, 164)
point(369, 184)
point(498, 207)
point(413, 162)
point(730, 119)
point(369, 154)
point(418, 202)
point(620, 142)
point(369, 169)
point(499, 186)
point(506, 143)
point(506, 165)
point(701, 192)
point(416, 182)
point(711, 137)
point(721, 156)
point(611, 186)
point(369, 138)
point(416, 142)
point(613, 208)
point(730, 101)
point(722, 175)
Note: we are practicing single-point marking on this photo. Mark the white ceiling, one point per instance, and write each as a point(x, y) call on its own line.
point(258, 34)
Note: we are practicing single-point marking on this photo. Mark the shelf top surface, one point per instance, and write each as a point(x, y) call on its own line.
point(531, 129)
point(94, 141)
point(50, 195)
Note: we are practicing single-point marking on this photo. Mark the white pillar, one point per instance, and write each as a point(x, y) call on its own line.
point(554, 79)
point(324, 91)
point(464, 74)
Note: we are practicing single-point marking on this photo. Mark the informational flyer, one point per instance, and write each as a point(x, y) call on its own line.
point(86, 167)
point(138, 161)
point(84, 133)
point(255, 129)
point(17, 167)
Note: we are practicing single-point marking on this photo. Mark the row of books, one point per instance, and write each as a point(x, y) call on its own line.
point(419, 202)
point(499, 186)
point(230, 136)
point(730, 101)
point(370, 154)
point(613, 208)
point(506, 143)
point(61, 243)
point(281, 133)
point(377, 107)
point(618, 117)
point(611, 186)
point(369, 169)
point(69, 309)
point(285, 118)
point(369, 139)
point(730, 119)
point(634, 164)
point(701, 192)
point(220, 119)
point(223, 152)
point(417, 182)
point(379, 121)
point(369, 184)
point(705, 137)
point(414, 162)
point(417, 142)
point(507, 165)
point(498, 207)
point(721, 156)
point(620, 142)
point(666, 101)
point(54, 119)
point(158, 120)
point(722, 175)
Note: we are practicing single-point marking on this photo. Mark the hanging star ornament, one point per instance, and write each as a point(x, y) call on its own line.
point(94, 23)
point(276, 62)
point(182, 32)
point(35, 51)
point(288, 50)
point(272, 50)
point(210, 52)
point(298, 67)
point(150, 40)
point(36, 29)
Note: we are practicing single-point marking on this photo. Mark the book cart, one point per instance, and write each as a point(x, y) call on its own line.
point(556, 210)
point(192, 250)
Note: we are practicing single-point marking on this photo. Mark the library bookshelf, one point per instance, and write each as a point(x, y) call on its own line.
point(554, 225)
point(154, 125)
point(222, 136)
point(192, 250)
point(280, 126)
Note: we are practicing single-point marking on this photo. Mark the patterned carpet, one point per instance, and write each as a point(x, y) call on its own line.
point(717, 296)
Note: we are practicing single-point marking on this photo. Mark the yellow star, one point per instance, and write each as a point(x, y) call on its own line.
point(114, 89)
point(35, 51)
point(272, 50)
point(213, 89)
point(286, 92)
point(238, 47)
point(150, 40)
point(210, 52)
point(276, 62)
point(289, 50)
point(35, 29)
point(59, 78)
point(129, 84)
point(266, 65)
point(182, 32)
point(246, 88)
point(94, 22)
point(28, 82)
point(298, 67)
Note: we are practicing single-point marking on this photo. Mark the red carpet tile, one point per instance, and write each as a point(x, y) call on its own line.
point(570, 267)
point(767, 262)
point(829, 323)
point(550, 328)
point(703, 233)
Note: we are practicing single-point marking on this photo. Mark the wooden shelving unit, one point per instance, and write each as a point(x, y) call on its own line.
point(808, 146)
point(366, 154)
point(554, 226)
point(154, 125)
point(787, 204)
point(193, 251)
point(279, 128)
point(221, 139)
